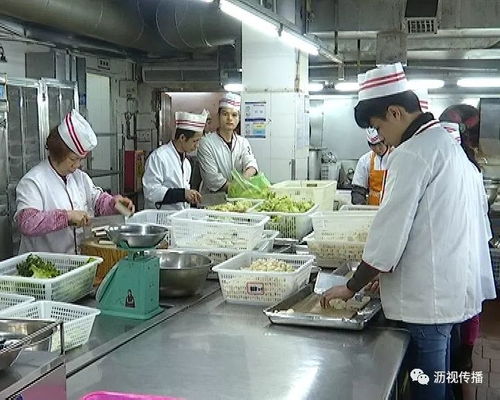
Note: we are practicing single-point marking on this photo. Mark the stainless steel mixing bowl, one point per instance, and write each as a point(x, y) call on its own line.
point(492, 191)
point(137, 235)
point(182, 273)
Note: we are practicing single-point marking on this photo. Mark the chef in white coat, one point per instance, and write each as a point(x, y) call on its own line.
point(222, 151)
point(55, 199)
point(429, 239)
point(369, 177)
point(168, 171)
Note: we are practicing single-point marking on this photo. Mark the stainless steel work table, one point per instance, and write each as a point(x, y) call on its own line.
point(216, 350)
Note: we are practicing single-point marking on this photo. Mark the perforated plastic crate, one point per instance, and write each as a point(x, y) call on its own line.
point(124, 396)
point(290, 225)
point(337, 226)
point(217, 229)
point(9, 300)
point(321, 193)
point(78, 320)
point(260, 287)
point(331, 253)
point(358, 207)
point(495, 264)
point(75, 281)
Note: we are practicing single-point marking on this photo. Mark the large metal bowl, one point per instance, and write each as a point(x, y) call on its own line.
point(182, 273)
point(26, 327)
point(492, 191)
point(137, 235)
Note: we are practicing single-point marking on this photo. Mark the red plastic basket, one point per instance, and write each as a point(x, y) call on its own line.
point(124, 396)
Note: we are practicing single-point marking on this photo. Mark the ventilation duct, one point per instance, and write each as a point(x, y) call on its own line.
point(157, 27)
point(421, 16)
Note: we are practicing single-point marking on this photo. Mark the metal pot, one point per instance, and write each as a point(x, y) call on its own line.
point(492, 191)
point(182, 273)
point(137, 235)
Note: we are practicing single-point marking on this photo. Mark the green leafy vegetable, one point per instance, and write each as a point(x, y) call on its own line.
point(276, 203)
point(35, 267)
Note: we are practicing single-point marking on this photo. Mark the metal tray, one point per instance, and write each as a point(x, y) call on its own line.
point(357, 322)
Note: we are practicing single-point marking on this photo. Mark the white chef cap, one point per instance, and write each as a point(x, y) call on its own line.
point(189, 121)
point(77, 134)
point(230, 100)
point(382, 81)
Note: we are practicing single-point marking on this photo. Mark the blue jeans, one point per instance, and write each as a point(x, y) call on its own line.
point(429, 351)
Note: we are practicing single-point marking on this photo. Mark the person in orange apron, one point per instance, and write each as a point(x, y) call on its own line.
point(369, 177)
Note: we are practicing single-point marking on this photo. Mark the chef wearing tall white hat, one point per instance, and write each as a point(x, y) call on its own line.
point(168, 171)
point(55, 198)
point(370, 173)
point(429, 238)
point(222, 151)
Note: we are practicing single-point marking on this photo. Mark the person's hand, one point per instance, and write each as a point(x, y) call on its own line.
point(78, 218)
point(193, 196)
point(335, 292)
point(249, 172)
point(373, 286)
point(126, 202)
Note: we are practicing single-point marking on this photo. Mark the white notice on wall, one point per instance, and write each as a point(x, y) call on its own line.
point(255, 119)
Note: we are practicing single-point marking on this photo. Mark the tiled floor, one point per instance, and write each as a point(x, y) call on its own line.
point(486, 356)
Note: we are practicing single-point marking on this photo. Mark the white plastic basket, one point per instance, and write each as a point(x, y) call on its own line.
point(10, 300)
point(331, 253)
point(75, 281)
point(260, 287)
point(321, 193)
point(217, 229)
point(339, 226)
point(290, 225)
point(342, 197)
point(78, 320)
point(267, 243)
point(358, 207)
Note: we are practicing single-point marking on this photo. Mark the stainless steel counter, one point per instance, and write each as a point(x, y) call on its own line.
point(217, 350)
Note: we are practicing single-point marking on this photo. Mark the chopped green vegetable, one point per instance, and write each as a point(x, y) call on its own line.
point(276, 203)
point(35, 267)
point(236, 206)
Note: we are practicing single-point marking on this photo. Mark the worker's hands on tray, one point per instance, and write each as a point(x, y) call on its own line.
point(373, 286)
point(78, 218)
point(126, 202)
point(335, 292)
point(193, 196)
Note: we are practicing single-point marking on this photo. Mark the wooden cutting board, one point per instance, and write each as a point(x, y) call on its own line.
point(311, 305)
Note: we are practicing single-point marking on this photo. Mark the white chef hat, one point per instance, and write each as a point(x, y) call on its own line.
point(382, 81)
point(189, 121)
point(76, 132)
point(423, 99)
point(230, 100)
point(372, 136)
point(453, 129)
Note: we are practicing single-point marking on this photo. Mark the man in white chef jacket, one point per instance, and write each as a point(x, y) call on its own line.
point(369, 177)
point(222, 151)
point(429, 239)
point(168, 171)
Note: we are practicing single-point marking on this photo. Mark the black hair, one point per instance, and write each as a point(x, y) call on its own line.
point(467, 118)
point(186, 132)
point(377, 107)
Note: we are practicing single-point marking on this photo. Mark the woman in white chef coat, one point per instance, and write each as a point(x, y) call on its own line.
point(222, 151)
point(55, 199)
point(168, 171)
point(429, 237)
point(369, 176)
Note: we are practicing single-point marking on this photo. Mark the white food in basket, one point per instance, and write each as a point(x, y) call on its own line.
point(270, 265)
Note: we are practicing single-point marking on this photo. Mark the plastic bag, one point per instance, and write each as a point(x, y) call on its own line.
point(255, 187)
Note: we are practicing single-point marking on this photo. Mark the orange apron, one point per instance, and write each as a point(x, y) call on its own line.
point(376, 183)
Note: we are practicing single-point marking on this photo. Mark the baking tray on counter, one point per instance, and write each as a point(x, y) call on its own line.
point(278, 314)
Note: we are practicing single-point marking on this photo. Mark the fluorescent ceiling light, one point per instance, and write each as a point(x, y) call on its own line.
point(299, 42)
point(479, 82)
point(248, 18)
point(233, 87)
point(425, 83)
point(347, 86)
point(315, 86)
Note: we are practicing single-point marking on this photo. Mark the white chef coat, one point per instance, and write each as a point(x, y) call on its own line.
point(217, 161)
point(165, 170)
point(362, 171)
point(43, 189)
point(431, 233)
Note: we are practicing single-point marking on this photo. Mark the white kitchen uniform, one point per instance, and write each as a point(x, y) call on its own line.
point(165, 170)
point(430, 233)
point(362, 171)
point(217, 160)
point(43, 189)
